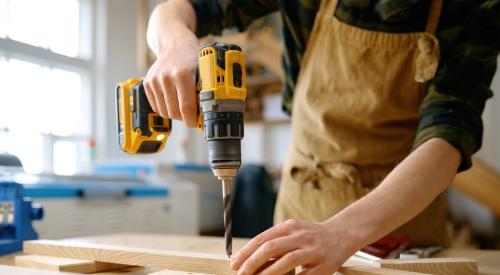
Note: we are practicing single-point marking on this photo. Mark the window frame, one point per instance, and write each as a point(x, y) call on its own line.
point(82, 64)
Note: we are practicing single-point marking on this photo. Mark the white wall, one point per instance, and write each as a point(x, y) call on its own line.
point(490, 152)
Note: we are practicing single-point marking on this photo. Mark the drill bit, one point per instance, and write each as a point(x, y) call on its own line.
point(228, 219)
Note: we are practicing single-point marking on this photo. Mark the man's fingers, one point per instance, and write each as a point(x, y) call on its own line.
point(289, 262)
point(150, 94)
point(170, 98)
point(271, 249)
point(186, 90)
point(277, 231)
point(160, 98)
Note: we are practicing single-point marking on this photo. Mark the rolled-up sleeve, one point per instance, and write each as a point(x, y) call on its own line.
point(215, 15)
point(456, 97)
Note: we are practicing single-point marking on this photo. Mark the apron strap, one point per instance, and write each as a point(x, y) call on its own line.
point(427, 60)
point(433, 18)
point(326, 10)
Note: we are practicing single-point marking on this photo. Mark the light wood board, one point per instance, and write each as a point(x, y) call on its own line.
point(203, 244)
point(14, 270)
point(201, 263)
point(162, 259)
point(438, 266)
point(488, 260)
point(173, 272)
point(365, 270)
point(65, 264)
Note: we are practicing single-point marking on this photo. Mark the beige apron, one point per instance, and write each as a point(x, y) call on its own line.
point(355, 115)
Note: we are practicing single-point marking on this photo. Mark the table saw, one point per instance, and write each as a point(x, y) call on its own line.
point(488, 261)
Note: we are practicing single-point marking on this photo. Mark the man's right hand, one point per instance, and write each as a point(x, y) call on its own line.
point(170, 83)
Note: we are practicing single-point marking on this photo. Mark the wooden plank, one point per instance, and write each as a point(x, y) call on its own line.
point(202, 263)
point(438, 266)
point(65, 264)
point(367, 270)
point(9, 261)
point(488, 263)
point(203, 244)
point(173, 272)
point(162, 259)
point(14, 270)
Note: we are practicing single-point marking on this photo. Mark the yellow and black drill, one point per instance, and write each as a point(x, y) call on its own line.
point(221, 94)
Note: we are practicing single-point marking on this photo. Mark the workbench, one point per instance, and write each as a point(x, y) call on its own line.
point(489, 261)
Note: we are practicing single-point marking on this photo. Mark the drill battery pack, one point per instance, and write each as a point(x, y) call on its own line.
point(140, 130)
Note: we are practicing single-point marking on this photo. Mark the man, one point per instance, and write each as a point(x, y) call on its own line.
point(389, 95)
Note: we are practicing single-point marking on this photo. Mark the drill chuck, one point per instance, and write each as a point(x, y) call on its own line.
point(223, 124)
point(224, 153)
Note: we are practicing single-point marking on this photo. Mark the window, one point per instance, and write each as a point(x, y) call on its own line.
point(51, 24)
point(46, 68)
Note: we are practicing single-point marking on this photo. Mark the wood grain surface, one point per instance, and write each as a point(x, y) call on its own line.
point(65, 264)
point(164, 259)
point(203, 244)
point(438, 266)
point(366, 270)
point(174, 272)
point(14, 270)
point(488, 260)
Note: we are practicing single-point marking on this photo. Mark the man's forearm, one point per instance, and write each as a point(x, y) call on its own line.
point(168, 20)
point(411, 186)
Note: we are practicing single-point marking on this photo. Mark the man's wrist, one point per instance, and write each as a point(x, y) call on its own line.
point(170, 21)
point(177, 31)
point(338, 227)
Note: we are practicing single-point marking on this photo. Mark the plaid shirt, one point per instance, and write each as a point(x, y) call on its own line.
point(469, 35)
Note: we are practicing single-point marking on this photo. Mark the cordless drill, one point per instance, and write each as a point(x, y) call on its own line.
point(221, 89)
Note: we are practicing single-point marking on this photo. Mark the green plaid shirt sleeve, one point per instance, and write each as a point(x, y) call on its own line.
point(456, 97)
point(469, 36)
point(215, 15)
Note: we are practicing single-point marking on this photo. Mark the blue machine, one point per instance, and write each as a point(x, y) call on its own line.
point(89, 187)
point(16, 215)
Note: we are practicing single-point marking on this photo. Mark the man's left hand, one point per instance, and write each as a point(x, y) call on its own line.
point(317, 247)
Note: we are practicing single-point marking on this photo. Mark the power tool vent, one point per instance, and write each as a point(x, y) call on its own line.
point(206, 51)
point(121, 138)
point(220, 79)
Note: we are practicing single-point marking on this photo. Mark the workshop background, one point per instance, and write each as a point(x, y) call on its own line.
point(60, 61)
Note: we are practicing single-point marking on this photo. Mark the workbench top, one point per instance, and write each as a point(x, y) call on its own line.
point(488, 260)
